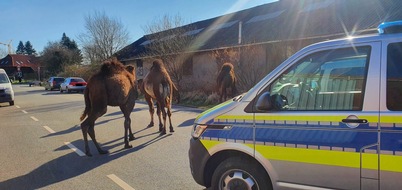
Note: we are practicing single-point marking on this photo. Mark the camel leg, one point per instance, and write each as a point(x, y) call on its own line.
point(162, 108)
point(126, 109)
point(84, 128)
point(158, 112)
point(169, 113)
point(222, 90)
point(91, 133)
point(151, 109)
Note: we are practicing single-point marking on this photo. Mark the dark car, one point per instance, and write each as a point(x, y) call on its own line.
point(53, 83)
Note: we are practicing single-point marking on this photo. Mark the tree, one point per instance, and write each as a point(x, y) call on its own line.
point(20, 48)
point(103, 37)
point(73, 47)
point(168, 40)
point(29, 50)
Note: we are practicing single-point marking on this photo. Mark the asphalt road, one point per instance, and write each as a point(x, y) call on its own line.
point(39, 133)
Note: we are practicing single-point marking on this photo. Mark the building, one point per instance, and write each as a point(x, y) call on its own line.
point(256, 40)
point(27, 66)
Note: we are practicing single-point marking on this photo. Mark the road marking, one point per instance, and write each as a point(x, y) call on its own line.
point(23, 111)
point(49, 129)
point(34, 118)
point(120, 182)
point(17, 107)
point(75, 149)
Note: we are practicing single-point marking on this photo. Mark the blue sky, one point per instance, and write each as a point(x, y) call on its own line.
point(41, 21)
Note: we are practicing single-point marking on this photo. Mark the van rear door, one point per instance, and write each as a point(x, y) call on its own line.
point(391, 115)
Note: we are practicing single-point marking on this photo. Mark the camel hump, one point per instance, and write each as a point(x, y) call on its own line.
point(110, 67)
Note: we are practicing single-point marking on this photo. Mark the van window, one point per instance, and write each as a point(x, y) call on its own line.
point(394, 77)
point(327, 80)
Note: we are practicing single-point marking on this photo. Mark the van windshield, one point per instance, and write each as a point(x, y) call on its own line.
point(3, 78)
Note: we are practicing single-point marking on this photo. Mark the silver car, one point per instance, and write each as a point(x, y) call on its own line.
point(73, 84)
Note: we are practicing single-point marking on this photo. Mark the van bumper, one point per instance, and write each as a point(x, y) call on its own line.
point(198, 156)
point(6, 97)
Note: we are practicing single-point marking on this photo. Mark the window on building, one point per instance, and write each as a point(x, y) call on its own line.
point(188, 67)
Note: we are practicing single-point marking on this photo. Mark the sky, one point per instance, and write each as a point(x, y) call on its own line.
point(43, 21)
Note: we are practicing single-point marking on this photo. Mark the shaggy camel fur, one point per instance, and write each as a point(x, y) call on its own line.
point(113, 85)
point(158, 86)
point(226, 79)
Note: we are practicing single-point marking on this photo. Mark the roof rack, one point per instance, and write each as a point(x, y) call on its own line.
point(390, 27)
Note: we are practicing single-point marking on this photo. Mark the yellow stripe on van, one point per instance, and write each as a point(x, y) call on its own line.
point(272, 117)
point(323, 157)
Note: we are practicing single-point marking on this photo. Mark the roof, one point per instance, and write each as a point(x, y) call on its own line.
point(18, 60)
point(280, 21)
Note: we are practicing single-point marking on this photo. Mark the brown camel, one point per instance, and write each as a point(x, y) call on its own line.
point(113, 85)
point(226, 79)
point(158, 86)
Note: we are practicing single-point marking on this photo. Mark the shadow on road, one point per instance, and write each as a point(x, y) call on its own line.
point(71, 165)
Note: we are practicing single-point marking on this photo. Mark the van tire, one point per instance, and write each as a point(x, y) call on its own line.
point(11, 103)
point(248, 168)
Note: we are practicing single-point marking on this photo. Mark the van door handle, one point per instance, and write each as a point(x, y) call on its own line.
point(354, 120)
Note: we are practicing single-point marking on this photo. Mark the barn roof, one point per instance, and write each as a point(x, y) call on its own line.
point(17, 60)
point(279, 21)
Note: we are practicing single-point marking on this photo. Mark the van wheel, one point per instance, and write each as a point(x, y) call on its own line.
point(11, 103)
point(240, 173)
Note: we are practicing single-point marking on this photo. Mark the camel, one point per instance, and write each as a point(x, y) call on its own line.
point(226, 79)
point(113, 85)
point(158, 86)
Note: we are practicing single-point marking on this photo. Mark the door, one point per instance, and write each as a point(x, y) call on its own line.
point(390, 117)
point(318, 131)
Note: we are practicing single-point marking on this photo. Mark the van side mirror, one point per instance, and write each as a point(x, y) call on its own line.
point(276, 102)
point(264, 102)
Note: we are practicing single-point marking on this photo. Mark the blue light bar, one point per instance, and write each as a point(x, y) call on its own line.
point(390, 27)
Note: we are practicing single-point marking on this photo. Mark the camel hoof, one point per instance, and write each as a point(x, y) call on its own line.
point(127, 146)
point(131, 137)
point(171, 130)
point(163, 133)
point(150, 125)
point(103, 152)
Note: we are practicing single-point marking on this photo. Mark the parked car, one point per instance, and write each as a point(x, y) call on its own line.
point(53, 83)
point(73, 84)
point(6, 89)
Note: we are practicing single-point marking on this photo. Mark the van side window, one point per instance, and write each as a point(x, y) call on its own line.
point(326, 80)
point(394, 77)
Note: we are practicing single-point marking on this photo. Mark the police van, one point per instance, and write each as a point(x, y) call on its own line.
point(329, 117)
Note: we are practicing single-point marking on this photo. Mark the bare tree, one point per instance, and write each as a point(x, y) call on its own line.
point(103, 37)
point(168, 39)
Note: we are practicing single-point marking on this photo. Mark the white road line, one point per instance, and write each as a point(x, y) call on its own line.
point(17, 107)
point(34, 118)
point(49, 129)
point(75, 149)
point(23, 111)
point(120, 182)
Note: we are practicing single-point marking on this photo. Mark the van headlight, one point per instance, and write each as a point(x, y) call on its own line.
point(198, 130)
point(7, 90)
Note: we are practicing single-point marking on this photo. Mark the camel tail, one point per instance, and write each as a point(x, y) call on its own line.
point(87, 105)
point(176, 93)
